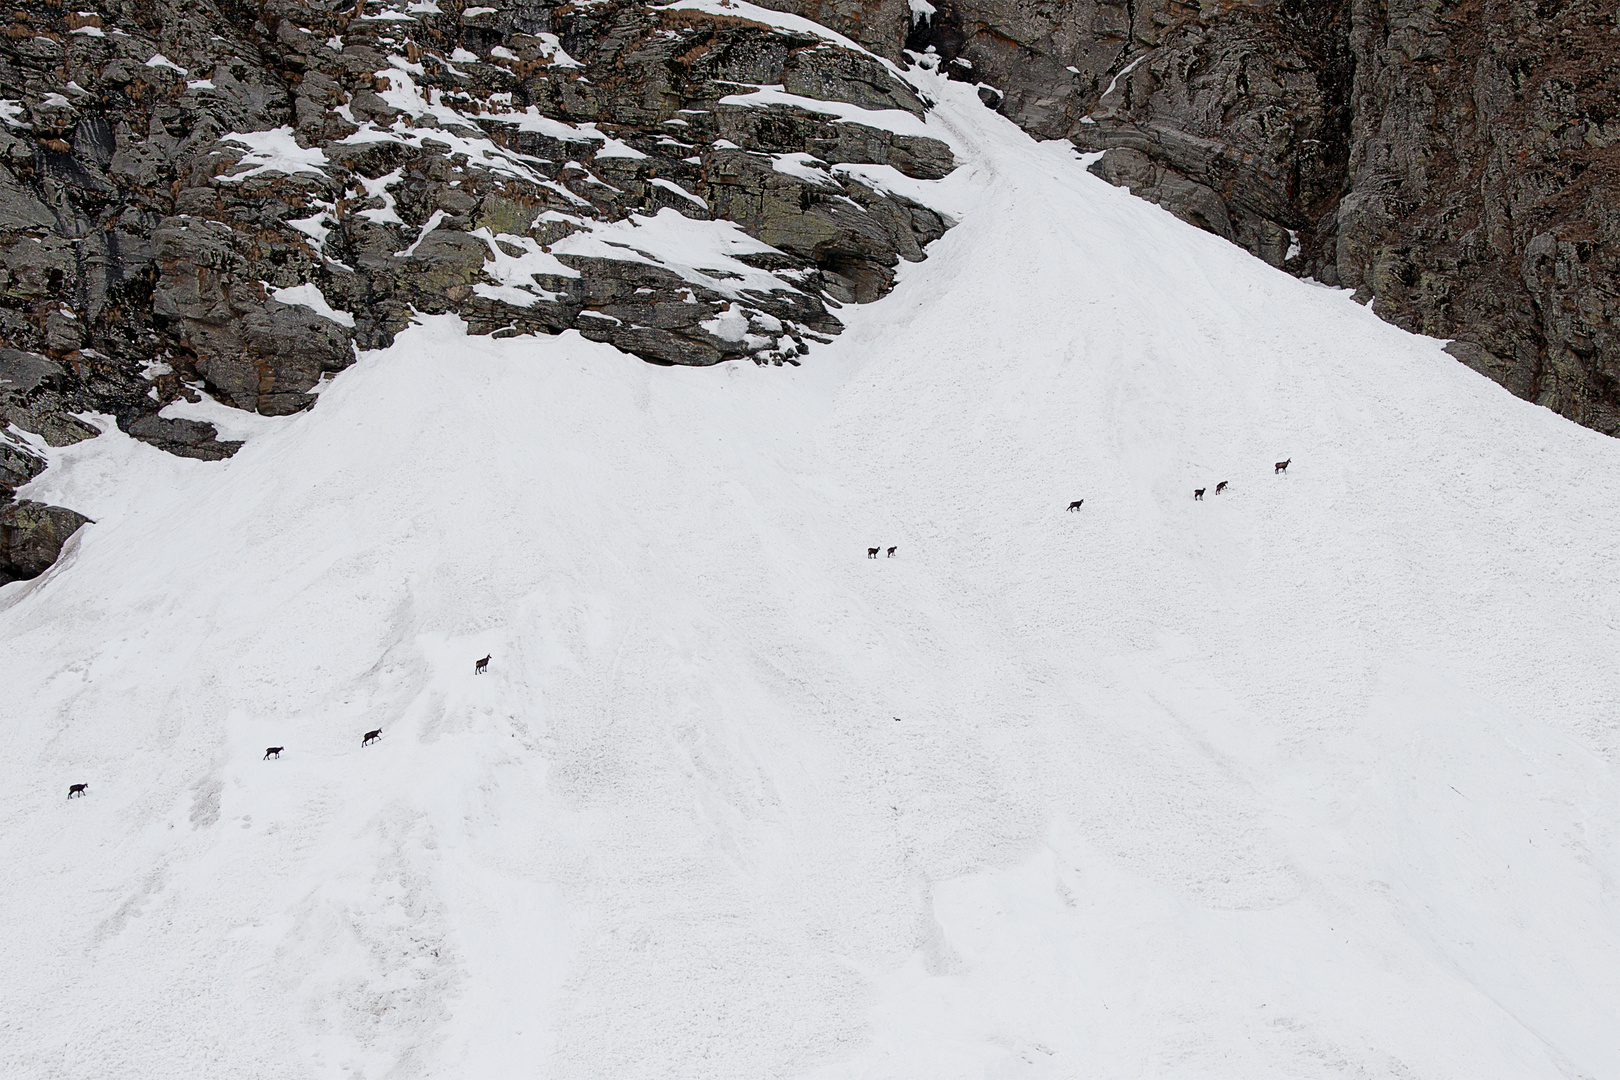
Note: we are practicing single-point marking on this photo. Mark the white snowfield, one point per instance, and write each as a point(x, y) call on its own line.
point(1313, 778)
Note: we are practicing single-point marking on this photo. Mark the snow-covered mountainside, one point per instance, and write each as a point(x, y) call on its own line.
point(1313, 777)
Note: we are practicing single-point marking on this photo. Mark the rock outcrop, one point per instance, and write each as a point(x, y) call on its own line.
point(31, 537)
point(1457, 164)
point(232, 199)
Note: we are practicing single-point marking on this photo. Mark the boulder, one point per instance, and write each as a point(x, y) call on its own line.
point(31, 537)
point(185, 438)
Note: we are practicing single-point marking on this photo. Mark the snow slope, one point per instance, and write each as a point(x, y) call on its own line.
point(1314, 778)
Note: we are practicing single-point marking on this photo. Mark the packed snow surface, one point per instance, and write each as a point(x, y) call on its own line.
point(895, 121)
point(272, 151)
point(1312, 778)
point(310, 296)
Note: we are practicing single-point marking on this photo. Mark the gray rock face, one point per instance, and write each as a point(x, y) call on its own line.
point(1456, 164)
point(19, 463)
point(165, 176)
point(33, 397)
point(1483, 190)
point(1199, 204)
point(168, 171)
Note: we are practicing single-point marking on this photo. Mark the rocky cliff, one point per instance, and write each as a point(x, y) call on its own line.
point(232, 199)
point(1456, 162)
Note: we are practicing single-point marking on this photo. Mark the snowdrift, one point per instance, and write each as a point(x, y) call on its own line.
point(1314, 777)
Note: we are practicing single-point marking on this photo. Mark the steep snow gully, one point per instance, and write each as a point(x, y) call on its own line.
point(1313, 778)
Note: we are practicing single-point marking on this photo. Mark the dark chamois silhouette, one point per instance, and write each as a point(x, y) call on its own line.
point(1282, 466)
point(273, 752)
point(77, 789)
point(481, 666)
point(1220, 487)
point(1198, 493)
point(1076, 504)
point(891, 553)
point(371, 737)
point(871, 553)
